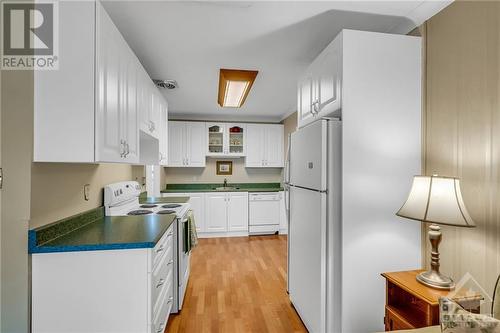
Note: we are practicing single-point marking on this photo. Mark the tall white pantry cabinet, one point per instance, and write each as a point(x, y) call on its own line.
point(93, 108)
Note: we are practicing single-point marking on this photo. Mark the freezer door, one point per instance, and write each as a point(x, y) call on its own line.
point(308, 156)
point(307, 257)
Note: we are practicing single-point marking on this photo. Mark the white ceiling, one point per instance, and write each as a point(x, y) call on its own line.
point(189, 41)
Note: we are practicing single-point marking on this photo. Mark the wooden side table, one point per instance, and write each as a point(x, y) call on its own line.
point(410, 304)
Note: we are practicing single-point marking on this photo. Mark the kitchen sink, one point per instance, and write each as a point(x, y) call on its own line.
point(227, 188)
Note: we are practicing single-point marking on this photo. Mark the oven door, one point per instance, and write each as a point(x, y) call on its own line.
point(184, 260)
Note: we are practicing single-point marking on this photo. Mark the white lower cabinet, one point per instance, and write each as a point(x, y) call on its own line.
point(226, 214)
point(197, 201)
point(237, 211)
point(216, 212)
point(104, 291)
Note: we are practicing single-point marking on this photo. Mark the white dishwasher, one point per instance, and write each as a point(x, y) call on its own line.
point(263, 213)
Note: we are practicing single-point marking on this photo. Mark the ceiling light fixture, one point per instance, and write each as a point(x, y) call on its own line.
point(234, 86)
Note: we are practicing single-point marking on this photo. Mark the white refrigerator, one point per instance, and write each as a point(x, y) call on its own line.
point(343, 232)
point(312, 191)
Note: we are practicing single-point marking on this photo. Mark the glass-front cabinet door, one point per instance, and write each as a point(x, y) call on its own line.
point(236, 134)
point(215, 139)
point(226, 139)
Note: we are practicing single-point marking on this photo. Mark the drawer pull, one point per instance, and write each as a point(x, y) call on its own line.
point(161, 248)
point(160, 283)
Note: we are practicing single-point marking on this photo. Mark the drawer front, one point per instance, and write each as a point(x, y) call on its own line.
point(163, 246)
point(394, 322)
point(160, 316)
point(162, 276)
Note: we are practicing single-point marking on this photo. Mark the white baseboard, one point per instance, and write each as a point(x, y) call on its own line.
point(223, 234)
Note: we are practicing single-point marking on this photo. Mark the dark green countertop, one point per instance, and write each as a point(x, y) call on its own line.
point(100, 233)
point(243, 187)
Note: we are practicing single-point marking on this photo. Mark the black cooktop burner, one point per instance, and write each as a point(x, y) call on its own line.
point(148, 206)
point(171, 206)
point(167, 211)
point(140, 212)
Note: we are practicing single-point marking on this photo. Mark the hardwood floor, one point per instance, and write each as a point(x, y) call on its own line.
point(237, 285)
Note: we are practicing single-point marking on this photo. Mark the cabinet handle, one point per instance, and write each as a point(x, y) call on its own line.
point(170, 299)
point(161, 248)
point(160, 283)
point(315, 106)
point(128, 149)
point(170, 262)
point(160, 328)
point(170, 234)
point(122, 148)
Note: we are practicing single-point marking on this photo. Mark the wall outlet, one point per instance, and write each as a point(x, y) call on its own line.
point(86, 192)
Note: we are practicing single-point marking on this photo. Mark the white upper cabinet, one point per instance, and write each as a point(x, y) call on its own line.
point(115, 83)
point(265, 146)
point(64, 98)
point(319, 89)
point(163, 135)
point(176, 157)
point(186, 144)
point(195, 143)
point(92, 108)
point(274, 146)
point(226, 140)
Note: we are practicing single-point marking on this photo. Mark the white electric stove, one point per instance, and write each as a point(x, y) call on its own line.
point(122, 199)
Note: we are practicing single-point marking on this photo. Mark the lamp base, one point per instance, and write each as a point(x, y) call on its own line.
point(436, 280)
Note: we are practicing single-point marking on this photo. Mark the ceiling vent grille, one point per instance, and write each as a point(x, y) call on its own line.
point(166, 84)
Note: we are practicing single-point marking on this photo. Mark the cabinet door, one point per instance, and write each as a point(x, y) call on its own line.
point(145, 101)
point(237, 216)
point(329, 64)
point(274, 142)
point(216, 139)
point(216, 212)
point(176, 141)
point(254, 146)
point(163, 137)
point(130, 109)
point(109, 94)
point(235, 139)
point(304, 100)
point(197, 201)
point(195, 144)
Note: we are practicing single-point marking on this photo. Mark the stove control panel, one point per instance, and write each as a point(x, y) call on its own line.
point(119, 193)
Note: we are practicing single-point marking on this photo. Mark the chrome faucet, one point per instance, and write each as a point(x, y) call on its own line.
point(225, 182)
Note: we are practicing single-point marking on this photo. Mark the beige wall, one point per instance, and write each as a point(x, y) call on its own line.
point(208, 174)
point(16, 146)
point(57, 188)
point(240, 173)
point(462, 130)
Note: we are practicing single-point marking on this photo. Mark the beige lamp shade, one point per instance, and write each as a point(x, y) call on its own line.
point(438, 200)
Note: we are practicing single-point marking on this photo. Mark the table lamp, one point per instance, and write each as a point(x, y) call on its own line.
point(436, 200)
